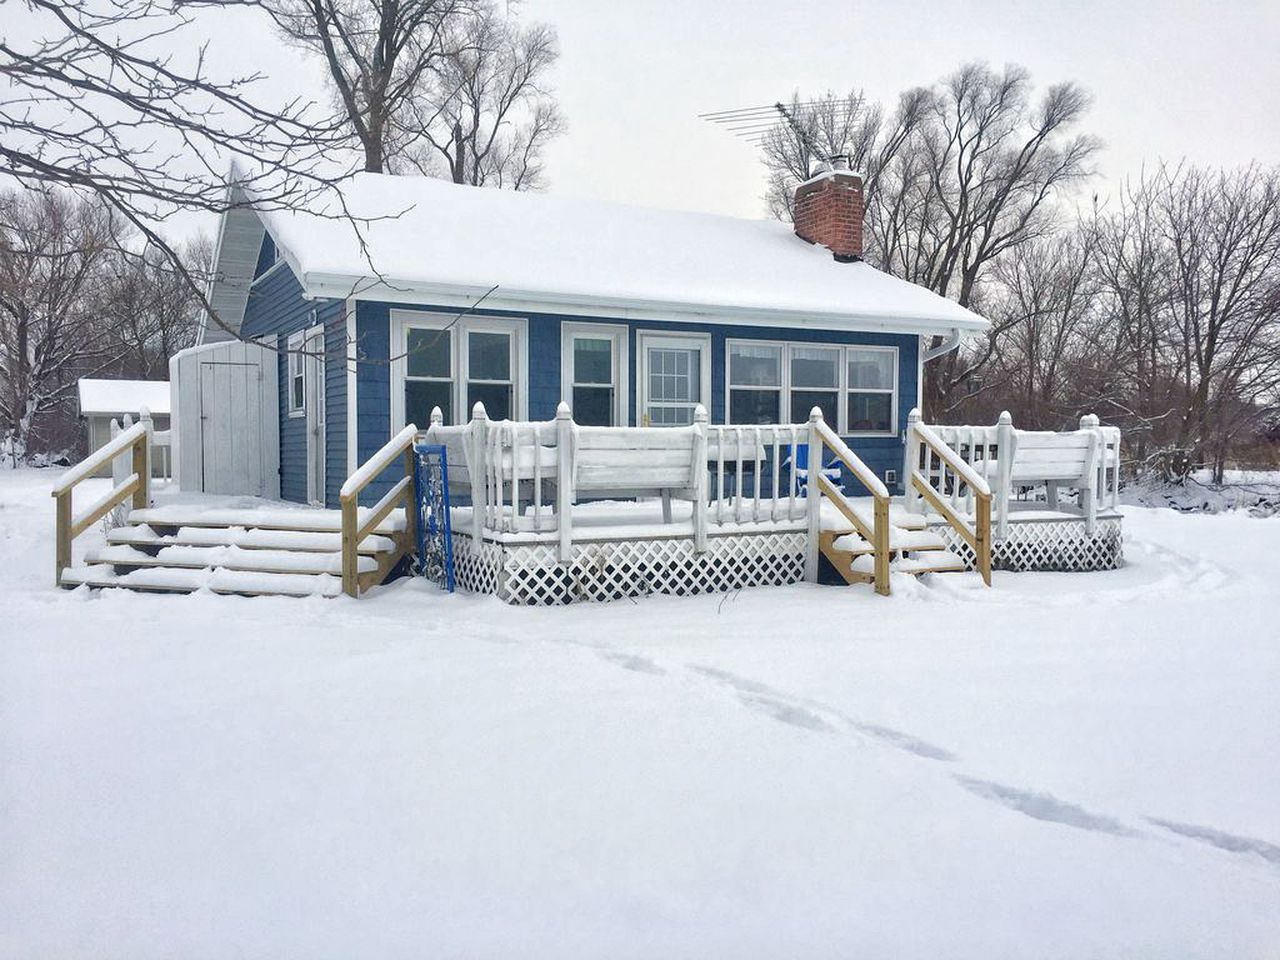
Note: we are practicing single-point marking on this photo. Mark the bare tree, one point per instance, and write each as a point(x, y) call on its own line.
point(487, 114)
point(150, 311)
point(53, 247)
point(377, 54)
point(98, 100)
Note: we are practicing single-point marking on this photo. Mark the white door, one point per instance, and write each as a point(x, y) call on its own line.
point(675, 376)
point(315, 383)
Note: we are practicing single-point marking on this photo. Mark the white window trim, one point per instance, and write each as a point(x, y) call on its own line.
point(842, 376)
point(680, 340)
point(618, 334)
point(401, 321)
point(293, 368)
point(314, 386)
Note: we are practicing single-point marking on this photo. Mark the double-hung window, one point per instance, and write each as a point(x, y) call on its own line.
point(296, 372)
point(755, 382)
point(815, 382)
point(452, 364)
point(593, 363)
point(872, 389)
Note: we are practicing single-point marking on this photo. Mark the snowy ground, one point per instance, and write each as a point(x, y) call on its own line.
point(1062, 766)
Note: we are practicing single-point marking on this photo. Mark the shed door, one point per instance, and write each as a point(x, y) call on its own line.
point(231, 428)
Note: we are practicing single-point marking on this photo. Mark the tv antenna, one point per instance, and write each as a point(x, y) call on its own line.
point(756, 124)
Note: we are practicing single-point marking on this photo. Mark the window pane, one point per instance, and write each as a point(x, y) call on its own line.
point(870, 411)
point(871, 369)
point(489, 356)
point(755, 365)
point(593, 406)
point(754, 406)
point(802, 401)
point(496, 398)
point(675, 374)
point(428, 353)
point(815, 367)
point(421, 395)
point(299, 392)
point(593, 360)
point(670, 416)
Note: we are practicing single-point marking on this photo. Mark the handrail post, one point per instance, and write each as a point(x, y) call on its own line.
point(350, 524)
point(62, 548)
point(813, 495)
point(881, 532)
point(911, 463)
point(982, 534)
point(564, 480)
point(700, 420)
point(142, 462)
point(411, 499)
point(1004, 471)
point(479, 474)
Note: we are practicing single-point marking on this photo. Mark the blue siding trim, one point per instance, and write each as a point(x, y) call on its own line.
point(276, 308)
point(543, 380)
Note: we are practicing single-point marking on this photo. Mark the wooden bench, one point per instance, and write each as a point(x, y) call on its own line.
point(1056, 460)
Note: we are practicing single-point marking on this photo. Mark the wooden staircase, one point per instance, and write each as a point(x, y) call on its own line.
point(913, 548)
point(253, 552)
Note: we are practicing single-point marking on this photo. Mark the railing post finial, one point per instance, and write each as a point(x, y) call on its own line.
point(563, 412)
point(1089, 421)
point(815, 415)
point(700, 414)
point(914, 415)
point(437, 417)
point(1005, 417)
point(478, 412)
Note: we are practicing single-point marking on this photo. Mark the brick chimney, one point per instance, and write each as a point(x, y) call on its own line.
point(828, 210)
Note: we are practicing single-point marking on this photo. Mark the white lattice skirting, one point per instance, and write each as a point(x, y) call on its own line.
point(1060, 545)
point(610, 570)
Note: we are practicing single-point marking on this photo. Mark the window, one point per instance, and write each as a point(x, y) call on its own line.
point(489, 366)
point(854, 387)
point(452, 363)
point(872, 383)
point(428, 379)
point(815, 382)
point(297, 385)
point(755, 383)
point(593, 365)
point(675, 377)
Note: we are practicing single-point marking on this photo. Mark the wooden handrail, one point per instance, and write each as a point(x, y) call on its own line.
point(822, 436)
point(137, 485)
point(977, 536)
point(353, 531)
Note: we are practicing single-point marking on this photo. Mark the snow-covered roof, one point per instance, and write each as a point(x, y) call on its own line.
point(123, 396)
point(433, 241)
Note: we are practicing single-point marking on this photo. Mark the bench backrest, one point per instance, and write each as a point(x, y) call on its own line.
point(1042, 456)
point(639, 458)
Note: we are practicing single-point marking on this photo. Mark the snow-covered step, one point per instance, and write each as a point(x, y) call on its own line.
point(864, 507)
point(228, 558)
point(177, 580)
point(928, 561)
point(144, 536)
point(899, 540)
point(284, 518)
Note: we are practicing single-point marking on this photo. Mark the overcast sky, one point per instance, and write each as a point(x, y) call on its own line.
point(1177, 79)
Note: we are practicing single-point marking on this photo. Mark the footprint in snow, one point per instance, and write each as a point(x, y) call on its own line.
point(1232, 843)
point(631, 662)
point(1043, 806)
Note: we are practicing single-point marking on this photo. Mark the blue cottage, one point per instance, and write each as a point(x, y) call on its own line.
point(445, 295)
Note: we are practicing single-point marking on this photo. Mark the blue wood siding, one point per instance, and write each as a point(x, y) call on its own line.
point(373, 396)
point(276, 308)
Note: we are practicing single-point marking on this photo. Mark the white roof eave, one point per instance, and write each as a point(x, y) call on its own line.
point(342, 287)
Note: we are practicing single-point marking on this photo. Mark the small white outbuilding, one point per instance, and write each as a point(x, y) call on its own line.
point(102, 401)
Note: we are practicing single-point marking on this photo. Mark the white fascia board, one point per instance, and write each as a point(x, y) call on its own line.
point(337, 287)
